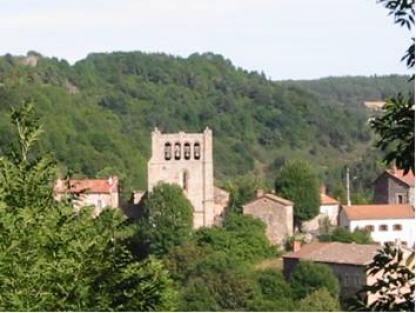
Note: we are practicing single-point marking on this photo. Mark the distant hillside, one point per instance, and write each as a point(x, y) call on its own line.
point(98, 114)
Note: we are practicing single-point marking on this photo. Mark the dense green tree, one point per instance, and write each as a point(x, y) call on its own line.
point(298, 182)
point(309, 277)
point(99, 113)
point(53, 259)
point(319, 301)
point(166, 219)
point(341, 234)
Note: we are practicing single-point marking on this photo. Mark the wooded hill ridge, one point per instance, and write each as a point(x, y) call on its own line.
point(99, 112)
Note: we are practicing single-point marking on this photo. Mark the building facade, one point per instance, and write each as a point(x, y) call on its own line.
point(186, 159)
point(393, 187)
point(98, 193)
point(275, 212)
point(347, 261)
point(385, 222)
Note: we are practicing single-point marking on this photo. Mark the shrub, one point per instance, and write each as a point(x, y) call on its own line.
point(308, 277)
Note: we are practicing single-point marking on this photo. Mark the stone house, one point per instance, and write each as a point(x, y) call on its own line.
point(385, 222)
point(186, 159)
point(348, 262)
point(99, 193)
point(392, 186)
point(275, 212)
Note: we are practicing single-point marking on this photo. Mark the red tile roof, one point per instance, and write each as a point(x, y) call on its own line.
point(408, 179)
point(379, 211)
point(85, 186)
point(325, 199)
point(336, 252)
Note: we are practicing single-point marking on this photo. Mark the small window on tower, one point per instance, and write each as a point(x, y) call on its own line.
point(187, 151)
point(197, 151)
point(177, 151)
point(168, 151)
point(185, 180)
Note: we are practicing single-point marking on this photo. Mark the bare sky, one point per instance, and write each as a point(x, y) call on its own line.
point(286, 39)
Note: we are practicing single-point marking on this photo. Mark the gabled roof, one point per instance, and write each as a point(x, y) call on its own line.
point(266, 200)
point(379, 211)
point(325, 199)
point(336, 252)
point(85, 185)
point(408, 179)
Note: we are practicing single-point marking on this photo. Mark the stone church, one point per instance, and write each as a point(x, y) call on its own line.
point(186, 159)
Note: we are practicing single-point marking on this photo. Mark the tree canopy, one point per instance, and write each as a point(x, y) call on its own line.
point(298, 182)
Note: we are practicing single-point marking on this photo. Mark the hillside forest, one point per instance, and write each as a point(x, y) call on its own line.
point(99, 112)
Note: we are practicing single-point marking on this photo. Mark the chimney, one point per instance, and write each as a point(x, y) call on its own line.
point(297, 244)
point(259, 193)
point(323, 189)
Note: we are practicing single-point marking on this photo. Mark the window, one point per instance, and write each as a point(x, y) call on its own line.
point(99, 204)
point(185, 180)
point(369, 228)
point(400, 198)
point(177, 151)
point(187, 151)
point(197, 151)
point(168, 151)
point(397, 227)
point(383, 227)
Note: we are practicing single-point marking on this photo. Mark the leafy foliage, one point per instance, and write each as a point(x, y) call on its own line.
point(166, 220)
point(319, 301)
point(98, 113)
point(309, 277)
point(342, 234)
point(298, 182)
point(53, 259)
point(395, 282)
point(396, 129)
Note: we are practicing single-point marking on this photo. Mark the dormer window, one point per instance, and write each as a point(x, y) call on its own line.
point(187, 151)
point(177, 151)
point(197, 151)
point(168, 151)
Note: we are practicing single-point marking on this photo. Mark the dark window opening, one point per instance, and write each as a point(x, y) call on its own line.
point(168, 151)
point(197, 151)
point(383, 227)
point(177, 151)
point(187, 151)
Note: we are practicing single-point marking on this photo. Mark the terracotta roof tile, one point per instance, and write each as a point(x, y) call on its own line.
point(325, 199)
point(84, 186)
point(379, 211)
point(336, 252)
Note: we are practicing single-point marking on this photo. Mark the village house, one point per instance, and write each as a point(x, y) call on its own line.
point(348, 262)
point(385, 222)
point(275, 212)
point(393, 187)
point(98, 193)
point(328, 213)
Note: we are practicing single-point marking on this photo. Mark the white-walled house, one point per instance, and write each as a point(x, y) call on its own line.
point(99, 193)
point(329, 209)
point(386, 222)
